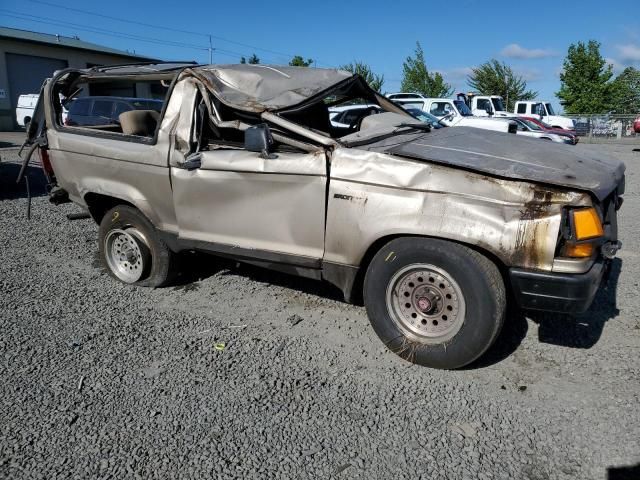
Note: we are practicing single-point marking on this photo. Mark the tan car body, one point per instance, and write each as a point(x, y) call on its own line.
point(321, 213)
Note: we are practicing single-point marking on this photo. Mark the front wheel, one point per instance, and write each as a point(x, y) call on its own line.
point(433, 302)
point(131, 249)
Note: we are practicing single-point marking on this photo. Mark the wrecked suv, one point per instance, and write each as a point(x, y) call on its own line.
point(431, 229)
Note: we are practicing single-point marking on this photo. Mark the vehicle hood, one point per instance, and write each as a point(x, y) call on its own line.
point(559, 120)
point(561, 132)
point(509, 156)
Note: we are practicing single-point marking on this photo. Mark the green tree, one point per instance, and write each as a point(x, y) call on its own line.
point(584, 81)
point(298, 61)
point(374, 80)
point(253, 59)
point(417, 79)
point(626, 91)
point(496, 78)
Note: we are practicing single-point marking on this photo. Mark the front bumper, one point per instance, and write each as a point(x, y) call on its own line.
point(556, 292)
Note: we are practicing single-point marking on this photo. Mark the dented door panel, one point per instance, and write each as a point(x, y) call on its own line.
point(373, 195)
point(238, 198)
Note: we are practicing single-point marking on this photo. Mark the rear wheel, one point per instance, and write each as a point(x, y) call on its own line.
point(434, 302)
point(131, 249)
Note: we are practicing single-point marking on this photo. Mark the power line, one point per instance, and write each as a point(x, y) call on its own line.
point(25, 16)
point(78, 10)
point(135, 22)
point(127, 36)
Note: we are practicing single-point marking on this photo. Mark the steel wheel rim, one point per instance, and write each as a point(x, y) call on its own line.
point(126, 254)
point(425, 303)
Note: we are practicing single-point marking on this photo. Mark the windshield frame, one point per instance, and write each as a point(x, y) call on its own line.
point(498, 104)
point(549, 108)
point(462, 108)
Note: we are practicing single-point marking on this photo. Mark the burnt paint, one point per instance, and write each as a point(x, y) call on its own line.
point(532, 231)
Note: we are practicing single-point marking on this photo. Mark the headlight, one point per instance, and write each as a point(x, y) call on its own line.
point(582, 234)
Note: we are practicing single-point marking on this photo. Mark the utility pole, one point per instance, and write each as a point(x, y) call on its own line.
point(210, 51)
point(507, 86)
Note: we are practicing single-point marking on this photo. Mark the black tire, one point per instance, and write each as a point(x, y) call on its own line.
point(160, 268)
point(475, 276)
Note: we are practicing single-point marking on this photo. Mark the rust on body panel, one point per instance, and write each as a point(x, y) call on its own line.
point(516, 221)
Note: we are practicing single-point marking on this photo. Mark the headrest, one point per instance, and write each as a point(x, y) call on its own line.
point(142, 123)
point(386, 119)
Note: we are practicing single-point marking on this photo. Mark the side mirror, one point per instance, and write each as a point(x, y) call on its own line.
point(489, 110)
point(258, 139)
point(541, 111)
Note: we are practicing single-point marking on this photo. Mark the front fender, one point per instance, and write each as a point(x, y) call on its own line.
point(374, 195)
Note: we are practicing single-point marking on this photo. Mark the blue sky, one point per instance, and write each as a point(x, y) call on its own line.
point(532, 37)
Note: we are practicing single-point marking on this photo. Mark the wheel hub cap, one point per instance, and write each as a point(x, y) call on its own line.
point(124, 254)
point(426, 303)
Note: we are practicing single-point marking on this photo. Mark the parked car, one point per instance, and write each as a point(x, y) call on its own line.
point(455, 113)
point(548, 128)
point(106, 110)
point(528, 128)
point(405, 96)
point(349, 115)
point(432, 229)
point(543, 110)
point(24, 109)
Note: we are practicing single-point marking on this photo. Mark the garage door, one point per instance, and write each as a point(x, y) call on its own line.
point(27, 72)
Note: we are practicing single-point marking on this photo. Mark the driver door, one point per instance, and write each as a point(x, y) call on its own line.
point(239, 203)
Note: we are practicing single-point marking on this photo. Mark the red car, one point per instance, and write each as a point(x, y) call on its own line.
point(636, 125)
point(558, 131)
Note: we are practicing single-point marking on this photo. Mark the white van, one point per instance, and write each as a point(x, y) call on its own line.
point(24, 110)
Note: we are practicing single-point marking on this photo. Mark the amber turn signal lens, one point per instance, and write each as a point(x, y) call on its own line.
point(586, 224)
point(581, 250)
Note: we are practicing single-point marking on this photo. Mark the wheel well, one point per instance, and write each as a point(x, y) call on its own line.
point(358, 283)
point(99, 204)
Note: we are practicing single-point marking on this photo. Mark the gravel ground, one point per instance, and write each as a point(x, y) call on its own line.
point(101, 380)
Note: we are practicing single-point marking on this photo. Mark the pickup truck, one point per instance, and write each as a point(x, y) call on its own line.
point(484, 105)
point(431, 229)
point(455, 113)
point(543, 111)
